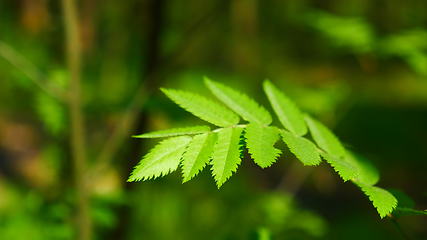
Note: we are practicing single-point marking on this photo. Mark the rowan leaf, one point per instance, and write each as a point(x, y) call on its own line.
point(161, 160)
point(382, 200)
point(175, 132)
point(302, 148)
point(324, 138)
point(197, 155)
point(260, 142)
point(286, 110)
point(346, 169)
point(367, 173)
point(226, 154)
point(203, 108)
point(240, 103)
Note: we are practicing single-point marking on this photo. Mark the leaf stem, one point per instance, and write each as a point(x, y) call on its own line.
point(31, 71)
point(78, 145)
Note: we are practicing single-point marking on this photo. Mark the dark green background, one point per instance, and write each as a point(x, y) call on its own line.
point(359, 66)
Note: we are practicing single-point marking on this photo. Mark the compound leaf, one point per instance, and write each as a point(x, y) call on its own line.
point(324, 138)
point(226, 154)
point(240, 103)
point(161, 160)
point(382, 200)
point(303, 148)
point(197, 155)
point(175, 132)
point(260, 142)
point(346, 169)
point(203, 108)
point(287, 112)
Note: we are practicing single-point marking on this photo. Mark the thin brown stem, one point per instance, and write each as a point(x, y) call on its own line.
point(73, 47)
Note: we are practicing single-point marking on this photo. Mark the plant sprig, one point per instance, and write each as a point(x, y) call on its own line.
point(193, 148)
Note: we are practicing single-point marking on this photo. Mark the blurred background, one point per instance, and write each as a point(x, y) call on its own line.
point(359, 66)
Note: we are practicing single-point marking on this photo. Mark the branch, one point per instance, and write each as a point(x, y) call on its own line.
point(31, 71)
point(78, 146)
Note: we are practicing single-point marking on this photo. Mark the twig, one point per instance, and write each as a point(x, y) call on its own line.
point(31, 71)
point(73, 47)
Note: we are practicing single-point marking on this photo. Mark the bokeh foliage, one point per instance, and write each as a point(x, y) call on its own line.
point(358, 66)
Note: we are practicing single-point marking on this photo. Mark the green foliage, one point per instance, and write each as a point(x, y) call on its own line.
point(263, 234)
point(303, 148)
point(263, 152)
point(367, 173)
point(198, 154)
point(223, 147)
point(324, 138)
point(280, 210)
point(51, 113)
point(203, 108)
point(163, 159)
point(410, 45)
point(382, 200)
point(226, 154)
point(287, 112)
point(175, 132)
point(250, 110)
point(352, 33)
point(346, 169)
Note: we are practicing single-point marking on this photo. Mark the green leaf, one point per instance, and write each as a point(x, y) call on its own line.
point(260, 142)
point(367, 173)
point(289, 114)
point(346, 169)
point(240, 103)
point(197, 155)
point(226, 154)
point(203, 108)
point(161, 160)
point(382, 200)
point(303, 149)
point(324, 138)
point(175, 132)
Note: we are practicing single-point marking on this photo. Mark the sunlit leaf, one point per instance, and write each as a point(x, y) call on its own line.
point(175, 132)
point(161, 160)
point(197, 155)
point(203, 108)
point(226, 154)
point(240, 103)
point(289, 114)
point(260, 142)
point(303, 149)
